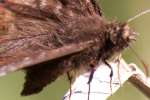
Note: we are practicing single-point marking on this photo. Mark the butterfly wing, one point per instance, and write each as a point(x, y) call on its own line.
point(37, 33)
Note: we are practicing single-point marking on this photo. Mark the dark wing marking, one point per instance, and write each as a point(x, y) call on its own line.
point(44, 31)
point(37, 77)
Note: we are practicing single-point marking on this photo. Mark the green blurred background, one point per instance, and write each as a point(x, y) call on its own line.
point(121, 10)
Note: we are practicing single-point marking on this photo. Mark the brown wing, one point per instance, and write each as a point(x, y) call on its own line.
point(46, 30)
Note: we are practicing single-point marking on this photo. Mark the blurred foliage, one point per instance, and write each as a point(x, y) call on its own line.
point(121, 10)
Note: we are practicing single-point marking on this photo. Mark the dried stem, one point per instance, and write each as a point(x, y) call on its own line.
point(140, 81)
point(100, 82)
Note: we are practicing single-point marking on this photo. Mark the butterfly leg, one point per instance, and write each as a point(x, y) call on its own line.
point(90, 79)
point(70, 81)
point(118, 66)
point(111, 73)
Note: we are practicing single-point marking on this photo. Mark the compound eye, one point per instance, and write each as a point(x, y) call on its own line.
point(128, 34)
point(126, 31)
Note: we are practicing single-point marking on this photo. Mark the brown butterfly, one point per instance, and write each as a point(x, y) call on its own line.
point(48, 38)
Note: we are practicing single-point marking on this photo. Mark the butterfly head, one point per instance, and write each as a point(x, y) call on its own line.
point(121, 35)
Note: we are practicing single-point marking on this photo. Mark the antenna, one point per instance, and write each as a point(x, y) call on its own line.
point(138, 15)
point(138, 57)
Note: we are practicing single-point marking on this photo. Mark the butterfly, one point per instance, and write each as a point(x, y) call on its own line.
point(48, 38)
